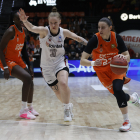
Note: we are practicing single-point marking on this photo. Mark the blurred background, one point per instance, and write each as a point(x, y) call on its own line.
point(80, 17)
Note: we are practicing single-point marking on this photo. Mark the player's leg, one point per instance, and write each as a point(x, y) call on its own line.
point(26, 78)
point(30, 98)
point(62, 77)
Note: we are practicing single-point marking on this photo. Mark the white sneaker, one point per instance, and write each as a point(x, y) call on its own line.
point(71, 108)
point(136, 96)
point(33, 111)
point(26, 114)
point(125, 127)
point(67, 115)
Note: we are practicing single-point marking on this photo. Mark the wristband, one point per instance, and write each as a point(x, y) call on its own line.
point(92, 63)
point(6, 67)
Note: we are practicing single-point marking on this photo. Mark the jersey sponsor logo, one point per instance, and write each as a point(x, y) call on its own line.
point(19, 47)
point(113, 46)
point(53, 46)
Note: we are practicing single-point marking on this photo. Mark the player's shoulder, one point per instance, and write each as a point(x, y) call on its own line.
point(10, 31)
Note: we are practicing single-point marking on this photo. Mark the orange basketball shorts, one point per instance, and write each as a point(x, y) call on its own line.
point(11, 64)
point(107, 78)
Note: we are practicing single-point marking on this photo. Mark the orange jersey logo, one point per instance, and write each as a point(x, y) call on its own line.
point(105, 50)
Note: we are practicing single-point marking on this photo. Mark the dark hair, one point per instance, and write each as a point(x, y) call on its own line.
point(107, 20)
point(54, 13)
point(12, 15)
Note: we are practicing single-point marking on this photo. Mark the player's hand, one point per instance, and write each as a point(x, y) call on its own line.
point(22, 15)
point(6, 74)
point(121, 56)
point(98, 62)
point(31, 72)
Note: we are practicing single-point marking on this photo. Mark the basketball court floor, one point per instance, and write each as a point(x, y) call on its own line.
point(97, 116)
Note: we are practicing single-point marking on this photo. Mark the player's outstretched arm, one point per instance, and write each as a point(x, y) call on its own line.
point(36, 29)
point(73, 36)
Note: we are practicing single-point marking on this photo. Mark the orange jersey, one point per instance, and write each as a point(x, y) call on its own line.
point(105, 50)
point(13, 50)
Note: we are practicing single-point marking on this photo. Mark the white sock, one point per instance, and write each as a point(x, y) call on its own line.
point(125, 117)
point(29, 105)
point(67, 106)
point(23, 106)
point(133, 98)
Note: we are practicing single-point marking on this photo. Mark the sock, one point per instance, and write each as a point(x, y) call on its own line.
point(66, 106)
point(125, 117)
point(29, 105)
point(133, 98)
point(24, 105)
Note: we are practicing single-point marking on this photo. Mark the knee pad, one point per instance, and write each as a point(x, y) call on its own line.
point(121, 98)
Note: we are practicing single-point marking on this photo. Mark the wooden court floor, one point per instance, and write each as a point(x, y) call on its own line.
point(96, 114)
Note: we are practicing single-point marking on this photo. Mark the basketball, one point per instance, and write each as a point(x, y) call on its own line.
point(118, 65)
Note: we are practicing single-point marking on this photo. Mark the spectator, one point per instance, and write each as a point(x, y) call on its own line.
point(79, 49)
point(69, 56)
point(37, 50)
point(131, 52)
point(31, 45)
point(66, 48)
point(77, 57)
point(137, 56)
point(72, 50)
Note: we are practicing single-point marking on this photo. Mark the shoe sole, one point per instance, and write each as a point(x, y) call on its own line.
point(125, 130)
point(66, 120)
point(27, 118)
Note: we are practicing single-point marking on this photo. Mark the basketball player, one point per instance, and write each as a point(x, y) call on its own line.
point(104, 45)
point(54, 67)
point(11, 45)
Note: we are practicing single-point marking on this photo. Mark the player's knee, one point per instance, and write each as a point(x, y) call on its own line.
point(28, 79)
point(63, 84)
point(121, 99)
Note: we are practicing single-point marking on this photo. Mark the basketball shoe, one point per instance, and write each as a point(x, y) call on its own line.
point(125, 127)
point(31, 110)
point(137, 101)
point(71, 108)
point(67, 115)
point(26, 114)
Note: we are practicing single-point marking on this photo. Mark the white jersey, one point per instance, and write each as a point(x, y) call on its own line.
point(52, 48)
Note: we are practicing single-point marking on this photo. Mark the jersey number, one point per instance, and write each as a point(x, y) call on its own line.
point(107, 61)
point(53, 52)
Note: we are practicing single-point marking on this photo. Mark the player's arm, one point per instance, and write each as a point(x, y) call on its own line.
point(73, 36)
point(36, 29)
point(8, 35)
point(92, 44)
point(122, 48)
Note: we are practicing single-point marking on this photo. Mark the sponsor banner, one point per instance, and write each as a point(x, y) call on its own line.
point(132, 38)
point(75, 69)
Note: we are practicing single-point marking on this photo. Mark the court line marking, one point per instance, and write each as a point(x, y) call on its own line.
point(97, 128)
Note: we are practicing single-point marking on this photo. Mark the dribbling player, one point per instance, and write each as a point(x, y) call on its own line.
point(55, 68)
point(104, 45)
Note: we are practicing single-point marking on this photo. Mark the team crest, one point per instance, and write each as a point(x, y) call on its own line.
point(60, 39)
point(47, 44)
point(113, 46)
point(101, 50)
point(50, 38)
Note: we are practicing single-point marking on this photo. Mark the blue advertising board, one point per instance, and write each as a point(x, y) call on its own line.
point(75, 69)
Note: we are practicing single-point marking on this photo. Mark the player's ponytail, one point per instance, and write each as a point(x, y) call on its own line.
point(54, 13)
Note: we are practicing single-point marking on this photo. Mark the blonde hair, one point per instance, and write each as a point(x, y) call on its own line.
point(54, 13)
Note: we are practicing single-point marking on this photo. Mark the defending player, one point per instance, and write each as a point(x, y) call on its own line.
point(55, 68)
